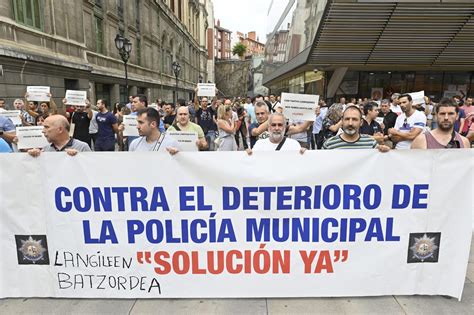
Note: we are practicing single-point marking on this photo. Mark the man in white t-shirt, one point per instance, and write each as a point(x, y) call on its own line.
point(394, 106)
point(276, 140)
point(408, 125)
point(151, 139)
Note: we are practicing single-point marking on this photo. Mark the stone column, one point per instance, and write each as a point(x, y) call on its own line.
point(115, 93)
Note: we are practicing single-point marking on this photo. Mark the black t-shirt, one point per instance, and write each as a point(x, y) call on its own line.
point(371, 129)
point(388, 121)
point(81, 128)
point(205, 119)
point(168, 120)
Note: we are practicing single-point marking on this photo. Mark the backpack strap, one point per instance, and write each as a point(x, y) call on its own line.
point(280, 144)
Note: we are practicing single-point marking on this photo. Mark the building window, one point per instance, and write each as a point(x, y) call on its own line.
point(139, 52)
point(29, 12)
point(99, 36)
point(137, 14)
point(120, 9)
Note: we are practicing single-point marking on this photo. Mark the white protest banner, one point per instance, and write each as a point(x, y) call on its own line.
point(14, 116)
point(226, 224)
point(418, 97)
point(38, 93)
point(206, 89)
point(299, 106)
point(186, 140)
point(130, 123)
point(31, 137)
point(76, 98)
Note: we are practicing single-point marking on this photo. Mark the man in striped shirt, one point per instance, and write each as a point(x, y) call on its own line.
point(351, 137)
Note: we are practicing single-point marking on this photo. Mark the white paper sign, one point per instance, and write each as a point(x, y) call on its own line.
point(418, 97)
point(186, 140)
point(38, 93)
point(130, 123)
point(379, 120)
point(76, 98)
point(14, 116)
point(206, 89)
point(30, 137)
point(299, 106)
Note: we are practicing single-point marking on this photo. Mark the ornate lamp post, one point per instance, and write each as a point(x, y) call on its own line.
point(124, 46)
point(176, 70)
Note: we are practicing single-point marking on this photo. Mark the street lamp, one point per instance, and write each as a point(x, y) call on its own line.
point(176, 69)
point(124, 46)
point(200, 78)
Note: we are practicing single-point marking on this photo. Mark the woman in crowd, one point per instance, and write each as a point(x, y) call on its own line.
point(226, 127)
point(333, 121)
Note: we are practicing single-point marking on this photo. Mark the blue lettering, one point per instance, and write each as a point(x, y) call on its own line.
point(67, 206)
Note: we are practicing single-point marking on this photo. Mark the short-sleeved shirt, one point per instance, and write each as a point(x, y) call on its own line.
point(190, 127)
point(4, 147)
point(81, 129)
point(168, 120)
point(253, 139)
point(6, 125)
point(371, 129)
point(267, 145)
point(205, 119)
point(105, 122)
point(336, 142)
point(140, 144)
point(72, 144)
point(406, 124)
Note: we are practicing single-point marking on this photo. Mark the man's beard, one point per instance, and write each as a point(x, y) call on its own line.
point(350, 131)
point(276, 136)
point(445, 126)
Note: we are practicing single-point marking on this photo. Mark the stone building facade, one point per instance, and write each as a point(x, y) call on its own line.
point(70, 45)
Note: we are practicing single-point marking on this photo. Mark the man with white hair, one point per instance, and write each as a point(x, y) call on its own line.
point(276, 140)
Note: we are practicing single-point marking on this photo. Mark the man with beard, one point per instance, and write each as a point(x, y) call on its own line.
point(443, 137)
point(408, 125)
point(151, 139)
point(276, 140)
point(351, 137)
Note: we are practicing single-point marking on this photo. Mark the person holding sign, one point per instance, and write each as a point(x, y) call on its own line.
point(351, 137)
point(151, 139)
point(443, 137)
point(56, 130)
point(183, 124)
point(276, 140)
point(409, 124)
point(81, 119)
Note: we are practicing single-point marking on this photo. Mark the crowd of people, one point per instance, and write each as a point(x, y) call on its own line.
point(251, 124)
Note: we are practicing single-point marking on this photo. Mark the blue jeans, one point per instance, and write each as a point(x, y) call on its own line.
point(210, 137)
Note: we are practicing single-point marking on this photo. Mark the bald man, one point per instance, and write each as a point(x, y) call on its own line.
point(56, 131)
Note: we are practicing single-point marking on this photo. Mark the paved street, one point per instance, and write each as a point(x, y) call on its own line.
point(362, 305)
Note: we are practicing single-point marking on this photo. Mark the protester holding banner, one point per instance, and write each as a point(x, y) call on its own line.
point(183, 124)
point(408, 125)
point(443, 137)
point(56, 130)
point(151, 139)
point(276, 140)
point(351, 138)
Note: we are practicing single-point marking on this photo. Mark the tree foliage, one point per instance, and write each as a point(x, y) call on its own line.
point(239, 49)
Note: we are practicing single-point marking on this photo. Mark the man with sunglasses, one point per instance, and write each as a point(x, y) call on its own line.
point(443, 137)
point(408, 125)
